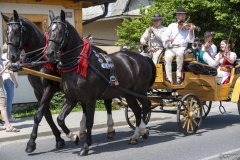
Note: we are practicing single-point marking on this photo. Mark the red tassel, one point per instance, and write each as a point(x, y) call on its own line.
point(83, 62)
point(116, 83)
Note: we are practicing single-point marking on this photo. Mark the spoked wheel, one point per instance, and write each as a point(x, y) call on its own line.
point(206, 107)
point(131, 119)
point(189, 114)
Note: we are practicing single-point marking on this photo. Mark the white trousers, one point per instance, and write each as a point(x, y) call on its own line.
point(153, 55)
point(169, 55)
point(221, 76)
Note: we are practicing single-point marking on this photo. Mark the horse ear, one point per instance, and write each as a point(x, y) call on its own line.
point(62, 16)
point(5, 18)
point(51, 15)
point(15, 15)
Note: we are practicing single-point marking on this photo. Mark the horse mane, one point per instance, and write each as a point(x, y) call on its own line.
point(33, 25)
point(97, 49)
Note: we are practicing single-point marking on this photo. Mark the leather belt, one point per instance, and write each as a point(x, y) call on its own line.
point(175, 46)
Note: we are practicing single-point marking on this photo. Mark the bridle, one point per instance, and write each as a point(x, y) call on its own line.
point(60, 45)
point(20, 45)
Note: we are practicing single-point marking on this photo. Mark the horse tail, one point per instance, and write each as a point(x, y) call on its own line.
point(154, 71)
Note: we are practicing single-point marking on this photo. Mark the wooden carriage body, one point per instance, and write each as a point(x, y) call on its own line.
point(203, 86)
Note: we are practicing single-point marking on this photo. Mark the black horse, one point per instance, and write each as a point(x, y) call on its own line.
point(23, 34)
point(134, 72)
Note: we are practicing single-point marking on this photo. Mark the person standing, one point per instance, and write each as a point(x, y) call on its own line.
point(151, 39)
point(175, 40)
point(9, 81)
point(3, 108)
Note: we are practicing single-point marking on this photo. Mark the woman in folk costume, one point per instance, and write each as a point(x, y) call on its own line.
point(151, 39)
point(226, 59)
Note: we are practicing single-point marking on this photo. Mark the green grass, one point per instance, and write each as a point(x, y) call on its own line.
point(56, 109)
point(56, 105)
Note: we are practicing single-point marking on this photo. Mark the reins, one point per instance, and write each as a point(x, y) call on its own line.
point(159, 99)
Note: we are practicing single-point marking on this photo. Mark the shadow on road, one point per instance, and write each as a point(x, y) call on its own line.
point(159, 133)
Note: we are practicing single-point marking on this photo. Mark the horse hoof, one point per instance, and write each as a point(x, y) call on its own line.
point(30, 149)
point(83, 152)
point(60, 144)
point(133, 141)
point(83, 135)
point(110, 135)
point(77, 140)
point(145, 135)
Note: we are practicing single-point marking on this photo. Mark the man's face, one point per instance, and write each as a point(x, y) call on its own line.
point(157, 22)
point(181, 17)
point(208, 38)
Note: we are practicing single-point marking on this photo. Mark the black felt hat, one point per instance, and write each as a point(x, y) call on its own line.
point(157, 16)
point(180, 10)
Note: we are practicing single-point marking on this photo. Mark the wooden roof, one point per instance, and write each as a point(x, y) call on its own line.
point(70, 4)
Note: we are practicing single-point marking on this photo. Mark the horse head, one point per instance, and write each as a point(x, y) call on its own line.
point(16, 36)
point(58, 36)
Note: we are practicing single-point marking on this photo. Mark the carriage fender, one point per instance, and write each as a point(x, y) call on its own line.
point(236, 91)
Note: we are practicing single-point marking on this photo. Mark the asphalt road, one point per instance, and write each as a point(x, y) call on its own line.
point(218, 138)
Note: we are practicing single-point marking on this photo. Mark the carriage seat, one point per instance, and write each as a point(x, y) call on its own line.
point(199, 68)
point(187, 58)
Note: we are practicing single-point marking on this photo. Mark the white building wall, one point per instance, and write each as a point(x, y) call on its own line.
point(24, 93)
point(105, 29)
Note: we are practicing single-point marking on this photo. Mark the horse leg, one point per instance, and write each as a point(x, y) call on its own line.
point(44, 109)
point(82, 132)
point(90, 109)
point(110, 123)
point(146, 104)
point(66, 109)
point(133, 104)
point(60, 143)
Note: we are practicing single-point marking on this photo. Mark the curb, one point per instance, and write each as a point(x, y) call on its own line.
point(74, 129)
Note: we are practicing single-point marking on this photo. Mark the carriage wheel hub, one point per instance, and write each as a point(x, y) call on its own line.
point(190, 115)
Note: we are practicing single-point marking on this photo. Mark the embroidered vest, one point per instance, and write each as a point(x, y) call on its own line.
point(225, 62)
point(199, 56)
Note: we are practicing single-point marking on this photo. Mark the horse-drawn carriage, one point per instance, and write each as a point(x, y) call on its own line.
point(192, 99)
point(86, 86)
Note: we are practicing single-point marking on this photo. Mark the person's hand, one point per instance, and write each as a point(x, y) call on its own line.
point(206, 48)
point(16, 85)
point(150, 30)
point(144, 44)
point(170, 40)
point(192, 27)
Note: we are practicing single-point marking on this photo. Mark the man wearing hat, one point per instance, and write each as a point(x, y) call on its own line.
point(175, 40)
point(209, 47)
point(151, 39)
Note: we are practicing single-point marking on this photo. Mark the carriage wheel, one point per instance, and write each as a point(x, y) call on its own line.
point(131, 119)
point(206, 107)
point(189, 114)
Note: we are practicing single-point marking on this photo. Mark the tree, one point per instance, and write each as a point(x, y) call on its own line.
point(218, 16)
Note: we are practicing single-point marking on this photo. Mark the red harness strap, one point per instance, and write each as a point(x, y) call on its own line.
point(25, 47)
point(49, 65)
point(24, 57)
point(83, 60)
